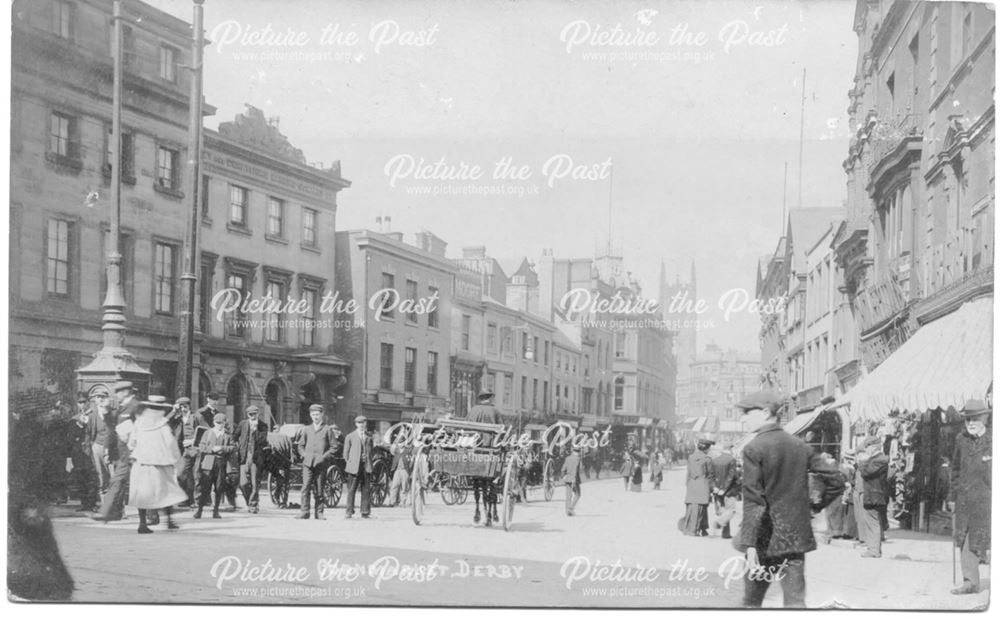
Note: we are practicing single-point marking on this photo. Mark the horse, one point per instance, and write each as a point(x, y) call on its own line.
point(487, 488)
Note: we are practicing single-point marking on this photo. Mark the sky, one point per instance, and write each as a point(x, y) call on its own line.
point(670, 123)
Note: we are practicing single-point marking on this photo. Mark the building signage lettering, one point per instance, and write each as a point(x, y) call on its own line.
point(266, 175)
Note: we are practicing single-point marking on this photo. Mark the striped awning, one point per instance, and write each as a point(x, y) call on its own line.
point(944, 363)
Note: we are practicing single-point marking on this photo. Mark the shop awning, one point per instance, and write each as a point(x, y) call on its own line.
point(944, 363)
point(801, 422)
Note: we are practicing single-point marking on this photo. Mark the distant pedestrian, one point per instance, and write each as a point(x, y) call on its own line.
point(100, 402)
point(571, 479)
point(971, 492)
point(626, 469)
point(726, 489)
point(777, 506)
point(840, 522)
point(153, 479)
point(84, 431)
point(873, 473)
point(700, 477)
point(636, 480)
point(402, 463)
point(656, 470)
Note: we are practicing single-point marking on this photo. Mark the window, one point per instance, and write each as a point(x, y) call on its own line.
point(432, 373)
point(545, 396)
point(273, 322)
point(168, 63)
point(411, 294)
point(558, 360)
point(546, 353)
point(385, 366)
point(57, 259)
point(432, 314)
point(236, 326)
point(62, 19)
point(410, 370)
point(620, 344)
point(311, 296)
point(536, 349)
point(239, 199)
point(275, 217)
point(524, 392)
point(127, 156)
point(62, 130)
point(164, 269)
point(508, 388)
point(166, 168)
point(506, 341)
point(206, 184)
point(534, 393)
point(491, 337)
point(309, 217)
point(524, 345)
point(619, 393)
point(466, 327)
point(388, 285)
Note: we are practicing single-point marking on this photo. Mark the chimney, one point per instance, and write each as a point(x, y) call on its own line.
point(388, 223)
point(378, 223)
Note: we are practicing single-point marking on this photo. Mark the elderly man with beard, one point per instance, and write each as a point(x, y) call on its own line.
point(971, 492)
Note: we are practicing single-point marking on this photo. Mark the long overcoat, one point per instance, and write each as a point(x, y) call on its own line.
point(971, 483)
point(700, 477)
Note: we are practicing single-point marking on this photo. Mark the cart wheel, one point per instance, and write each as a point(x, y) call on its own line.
point(461, 489)
point(334, 485)
point(278, 489)
point(417, 487)
point(379, 483)
point(509, 492)
point(548, 482)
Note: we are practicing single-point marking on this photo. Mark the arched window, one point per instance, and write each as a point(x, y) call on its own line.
point(619, 393)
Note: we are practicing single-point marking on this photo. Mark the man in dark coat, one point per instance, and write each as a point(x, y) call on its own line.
point(113, 507)
point(211, 407)
point(188, 424)
point(317, 444)
point(726, 489)
point(777, 503)
point(873, 470)
point(484, 411)
point(700, 478)
point(971, 492)
point(358, 453)
point(214, 453)
point(251, 448)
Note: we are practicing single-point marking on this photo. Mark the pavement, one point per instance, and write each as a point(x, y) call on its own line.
point(621, 549)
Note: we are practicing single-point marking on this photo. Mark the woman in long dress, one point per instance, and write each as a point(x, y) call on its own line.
point(153, 480)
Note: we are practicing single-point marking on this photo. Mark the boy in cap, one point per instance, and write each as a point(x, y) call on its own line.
point(971, 491)
point(213, 455)
point(777, 510)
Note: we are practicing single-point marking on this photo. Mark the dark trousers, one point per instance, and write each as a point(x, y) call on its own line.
point(361, 479)
point(250, 483)
point(113, 507)
point(792, 570)
point(85, 476)
point(872, 531)
point(313, 483)
point(187, 477)
point(210, 480)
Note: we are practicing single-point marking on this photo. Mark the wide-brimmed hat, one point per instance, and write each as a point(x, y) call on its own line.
point(485, 395)
point(974, 408)
point(158, 402)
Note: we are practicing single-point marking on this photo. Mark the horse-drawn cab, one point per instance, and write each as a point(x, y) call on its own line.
point(472, 455)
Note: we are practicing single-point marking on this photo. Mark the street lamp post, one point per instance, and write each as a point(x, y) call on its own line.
point(113, 362)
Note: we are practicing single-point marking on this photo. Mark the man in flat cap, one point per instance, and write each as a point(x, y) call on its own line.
point(251, 447)
point(484, 411)
point(187, 431)
point(317, 444)
point(358, 448)
point(971, 492)
point(211, 407)
point(873, 479)
point(700, 478)
point(777, 529)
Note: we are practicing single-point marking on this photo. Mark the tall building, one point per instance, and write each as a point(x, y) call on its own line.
point(719, 379)
point(60, 174)
point(267, 232)
point(678, 301)
point(399, 352)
